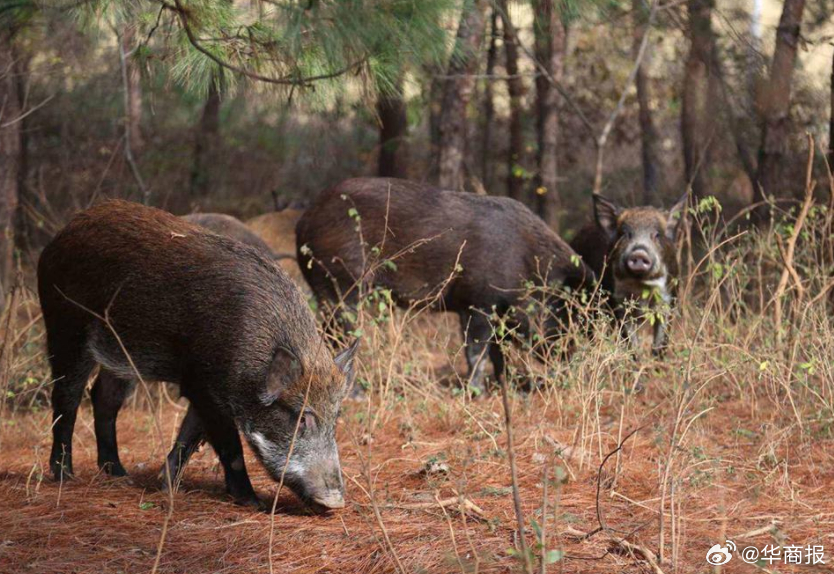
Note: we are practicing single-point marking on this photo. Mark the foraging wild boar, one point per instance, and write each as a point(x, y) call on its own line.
point(143, 293)
point(277, 230)
point(229, 226)
point(480, 250)
point(633, 251)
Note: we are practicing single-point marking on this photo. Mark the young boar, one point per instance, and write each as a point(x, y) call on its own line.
point(143, 293)
point(465, 253)
point(633, 251)
point(229, 226)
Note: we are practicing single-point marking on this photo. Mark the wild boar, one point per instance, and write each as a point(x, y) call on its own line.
point(461, 252)
point(145, 294)
point(633, 252)
point(277, 229)
point(229, 226)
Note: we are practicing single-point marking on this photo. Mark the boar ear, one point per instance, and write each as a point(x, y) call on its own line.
point(675, 216)
point(606, 213)
point(344, 360)
point(284, 370)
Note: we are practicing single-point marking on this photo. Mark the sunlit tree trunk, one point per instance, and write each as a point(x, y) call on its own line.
point(697, 121)
point(10, 148)
point(775, 105)
point(206, 141)
point(550, 43)
point(393, 123)
point(515, 87)
point(649, 136)
point(487, 170)
point(457, 92)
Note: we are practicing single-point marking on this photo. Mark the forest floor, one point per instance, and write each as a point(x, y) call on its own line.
point(744, 480)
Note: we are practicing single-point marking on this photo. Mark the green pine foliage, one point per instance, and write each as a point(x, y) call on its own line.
point(307, 48)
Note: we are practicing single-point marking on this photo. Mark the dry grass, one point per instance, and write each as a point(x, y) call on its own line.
point(733, 440)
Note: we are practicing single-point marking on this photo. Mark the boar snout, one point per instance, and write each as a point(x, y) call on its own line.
point(326, 489)
point(317, 480)
point(639, 261)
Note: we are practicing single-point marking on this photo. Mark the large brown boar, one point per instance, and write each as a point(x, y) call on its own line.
point(633, 251)
point(140, 292)
point(464, 253)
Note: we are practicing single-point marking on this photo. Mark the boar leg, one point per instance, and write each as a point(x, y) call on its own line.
point(191, 435)
point(660, 340)
point(70, 369)
point(108, 394)
point(223, 436)
point(477, 333)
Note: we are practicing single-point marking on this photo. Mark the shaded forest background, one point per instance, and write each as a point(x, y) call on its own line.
point(220, 106)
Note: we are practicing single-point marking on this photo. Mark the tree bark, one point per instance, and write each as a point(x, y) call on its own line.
point(393, 124)
point(487, 169)
point(133, 111)
point(206, 140)
point(831, 121)
point(515, 87)
point(550, 44)
point(457, 92)
point(649, 136)
point(696, 118)
point(10, 149)
point(776, 105)
point(24, 230)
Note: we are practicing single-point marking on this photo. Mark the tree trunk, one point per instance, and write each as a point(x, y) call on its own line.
point(457, 92)
point(24, 230)
point(776, 105)
point(831, 121)
point(515, 87)
point(133, 111)
point(392, 132)
point(550, 44)
point(649, 136)
point(10, 147)
point(487, 170)
point(205, 142)
point(696, 118)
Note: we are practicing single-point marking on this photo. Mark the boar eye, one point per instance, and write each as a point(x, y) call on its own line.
point(307, 423)
point(656, 235)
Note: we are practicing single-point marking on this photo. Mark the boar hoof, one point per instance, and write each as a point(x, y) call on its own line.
point(114, 469)
point(252, 501)
point(61, 472)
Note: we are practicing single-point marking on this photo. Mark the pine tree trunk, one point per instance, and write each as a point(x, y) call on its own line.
point(515, 87)
point(205, 142)
point(831, 121)
point(487, 170)
point(649, 136)
point(457, 92)
point(24, 230)
point(133, 111)
point(775, 105)
point(550, 43)
point(696, 113)
point(10, 148)
point(392, 132)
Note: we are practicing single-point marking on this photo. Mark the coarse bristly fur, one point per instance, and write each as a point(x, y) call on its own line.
point(208, 313)
point(633, 251)
point(415, 239)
